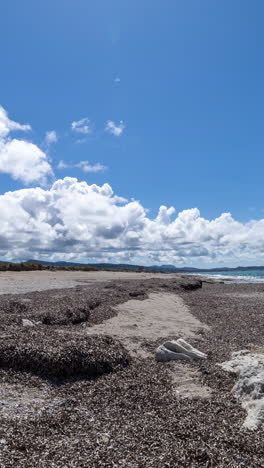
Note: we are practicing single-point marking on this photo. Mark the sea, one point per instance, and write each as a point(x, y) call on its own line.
point(241, 276)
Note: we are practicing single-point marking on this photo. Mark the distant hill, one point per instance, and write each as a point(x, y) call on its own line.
point(110, 266)
point(34, 264)
point(128, 267)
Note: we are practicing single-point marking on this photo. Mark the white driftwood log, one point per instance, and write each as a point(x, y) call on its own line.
point(179, 349)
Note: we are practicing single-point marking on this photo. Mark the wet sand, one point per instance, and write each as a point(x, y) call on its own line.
point(149, 415)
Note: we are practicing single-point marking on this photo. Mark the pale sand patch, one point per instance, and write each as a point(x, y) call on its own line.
point(155, 318)
point(159, 316)
point(13, 282)
point(187, 381)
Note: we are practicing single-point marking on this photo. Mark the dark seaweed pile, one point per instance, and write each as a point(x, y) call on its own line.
point(61, 355)
point(132, 418)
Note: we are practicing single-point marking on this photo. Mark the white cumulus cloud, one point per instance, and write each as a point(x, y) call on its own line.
point(82, 126)
point(7, 125)
point(24, 161)
point(75, 220)
point(21, 159)
point(114, 129)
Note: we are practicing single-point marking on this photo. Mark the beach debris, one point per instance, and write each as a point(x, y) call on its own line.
point(69, 315)
point(249, 388)
point(105, 437)
point(28, 323)
point(191, 285)
point(179, 349)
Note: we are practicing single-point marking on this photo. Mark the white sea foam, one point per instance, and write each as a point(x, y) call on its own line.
point(234, 278)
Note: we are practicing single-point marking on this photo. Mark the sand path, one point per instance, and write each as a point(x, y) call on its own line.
point(159, 316)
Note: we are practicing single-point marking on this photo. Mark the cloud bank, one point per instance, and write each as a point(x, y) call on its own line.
point(74, 220)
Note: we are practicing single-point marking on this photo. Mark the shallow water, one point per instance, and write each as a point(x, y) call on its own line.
point(241, 276)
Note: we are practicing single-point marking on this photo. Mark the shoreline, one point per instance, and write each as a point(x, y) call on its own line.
point(23, 282)
point(226, 278)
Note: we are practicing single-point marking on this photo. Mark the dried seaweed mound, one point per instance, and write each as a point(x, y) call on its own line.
point(70, 315)
point(191, 284)
point(64, 356)
point(69, 311)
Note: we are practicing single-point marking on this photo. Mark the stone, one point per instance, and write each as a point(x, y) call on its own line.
point(105, 437)
point(28, 323)
point(249, 388)
point(178, 349)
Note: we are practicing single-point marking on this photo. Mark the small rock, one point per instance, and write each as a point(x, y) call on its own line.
point(28, 323)
point(105, 438)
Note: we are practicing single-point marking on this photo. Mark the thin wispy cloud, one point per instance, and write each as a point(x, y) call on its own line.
point(80, 141)
point(63, 165)
point(82, 126)
point(114, 129)
point(85, 166)
point(51, 137)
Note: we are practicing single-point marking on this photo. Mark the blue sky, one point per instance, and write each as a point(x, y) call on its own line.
point(181, 80)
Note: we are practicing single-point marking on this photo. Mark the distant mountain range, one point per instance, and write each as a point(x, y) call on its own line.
point(157, 268)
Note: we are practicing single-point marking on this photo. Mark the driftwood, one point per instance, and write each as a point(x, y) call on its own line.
point(179, 349)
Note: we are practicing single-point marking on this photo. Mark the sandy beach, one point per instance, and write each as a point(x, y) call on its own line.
point(12, 282)
point(133, 412)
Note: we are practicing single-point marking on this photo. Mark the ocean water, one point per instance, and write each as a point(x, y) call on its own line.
point(241, 276)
